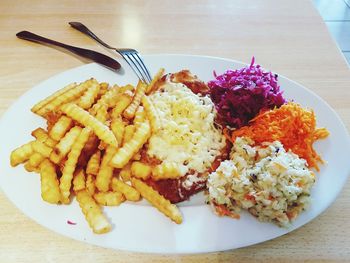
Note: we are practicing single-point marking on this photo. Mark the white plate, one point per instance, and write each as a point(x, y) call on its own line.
point(140, 227)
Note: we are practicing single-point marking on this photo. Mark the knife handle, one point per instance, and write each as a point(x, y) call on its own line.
point(97, 57)
point(83, 29)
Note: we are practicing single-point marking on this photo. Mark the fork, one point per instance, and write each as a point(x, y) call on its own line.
point(131, 56)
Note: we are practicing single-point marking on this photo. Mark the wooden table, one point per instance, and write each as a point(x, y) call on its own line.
point(285, 36)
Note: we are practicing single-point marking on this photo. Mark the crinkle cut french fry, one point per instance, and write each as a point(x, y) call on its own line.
point(88, 98)
point(126, 89)
point(36, 159)
point(157, 200)
point(151, 86)
point(128, 133)
point(109, 96)
point(84, 117)
point(109, 198)
point(66, 97)
point(152, 113)
point(30, 168)
point(21, 154)
point(118, 100)
point(89, 149)
point(93, 164)
point(104, 175)
point(103, 87)
point(90, 184)
point(58, 93)
point(50, 142)
point(118, 129)
point(64, 146)
point(40, 134)
point(140, 115)
point(51, 118)
point(128, 191)
point(102, 113)
point(92, 212)
point(70, 164)
point(141, 170)
point(79, 180)
point(126, 152)
point(42, 148)
point(125, 173)
point(50, 191)
point(60, 128)
point(130, 111)
point(166, 170)
point(123, 102)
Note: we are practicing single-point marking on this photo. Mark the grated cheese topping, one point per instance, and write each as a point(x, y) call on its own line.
point(187, 135)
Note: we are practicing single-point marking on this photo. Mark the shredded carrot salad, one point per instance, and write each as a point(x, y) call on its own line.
point(292, 125)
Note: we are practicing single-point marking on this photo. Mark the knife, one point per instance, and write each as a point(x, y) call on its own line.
point(97, 57)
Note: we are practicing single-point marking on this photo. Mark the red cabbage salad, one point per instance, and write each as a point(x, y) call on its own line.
point(240, 94)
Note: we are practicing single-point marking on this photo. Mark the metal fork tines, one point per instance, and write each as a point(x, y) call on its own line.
point(134, 60)
point(131, 56)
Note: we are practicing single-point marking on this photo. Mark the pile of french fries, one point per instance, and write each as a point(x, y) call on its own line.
point(91, 149)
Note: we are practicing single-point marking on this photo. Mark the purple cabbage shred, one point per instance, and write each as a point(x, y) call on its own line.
point(240, 94)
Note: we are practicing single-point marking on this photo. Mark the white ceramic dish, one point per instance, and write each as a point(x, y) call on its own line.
point(140, 227)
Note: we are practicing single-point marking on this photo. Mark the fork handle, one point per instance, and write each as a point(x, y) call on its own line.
point(85, 53)
point(83, 29)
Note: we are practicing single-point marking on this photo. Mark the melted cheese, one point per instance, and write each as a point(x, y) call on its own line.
point(188, 136)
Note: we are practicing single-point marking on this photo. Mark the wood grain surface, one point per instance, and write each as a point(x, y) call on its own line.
point(285, 36)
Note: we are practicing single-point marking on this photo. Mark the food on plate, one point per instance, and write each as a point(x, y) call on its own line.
point(292, 125)
point(191, 81)
point(35, 159)
point(129, 192)
point(141, 170)
point(90, 184)
point(60, 128)
point(155, 81)
point(188, 138)
point(110, 198)
point(71, 163)
point(89, 142)
point(50, 191)
point(92, 212)
point(64, 146)
point(86, 119)
point(79, 180)
point(21, 154)
point(240, 94)
point(70, 95)
point(162, 142)
point(152, 113)
point(166, 170)
point(88, 98)
point(130, 111)
point(158, 200)
point(52, 97)
point(131, 147)
point(118, 129)
point(271, 183)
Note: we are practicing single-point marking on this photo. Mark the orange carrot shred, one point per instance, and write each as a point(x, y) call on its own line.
point(292, 125)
